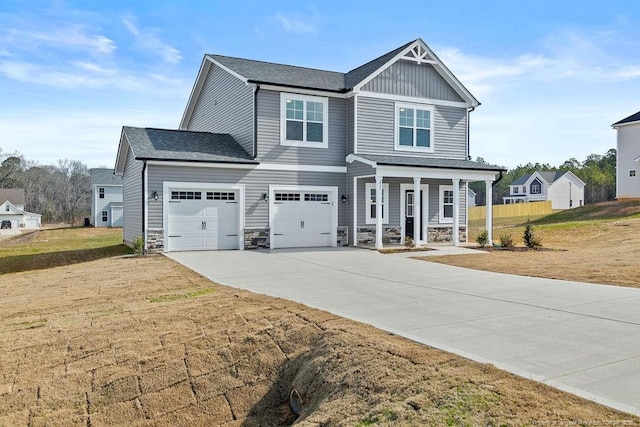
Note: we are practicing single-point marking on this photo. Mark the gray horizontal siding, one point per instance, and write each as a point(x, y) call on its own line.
point(132, 199)
point(349, 117)
point(111, 194)
point(225, 105)
point(376, 130)
point(256, 183)
point(407, 78)
point(270, 150)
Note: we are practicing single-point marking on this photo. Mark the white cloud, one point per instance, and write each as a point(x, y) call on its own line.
point(149, 39)
point(74, 37)
point(297, 25)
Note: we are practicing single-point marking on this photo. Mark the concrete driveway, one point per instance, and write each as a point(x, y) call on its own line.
point(578, 337)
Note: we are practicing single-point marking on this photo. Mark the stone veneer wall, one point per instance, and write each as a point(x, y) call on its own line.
point(155, 240)
point(390, 236)
point(343, 236)
point(256, 238)
point(445, 234)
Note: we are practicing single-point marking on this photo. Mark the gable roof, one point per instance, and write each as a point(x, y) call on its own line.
point(15, 195)
point(180, 145)
point(632, 118)
point(261, 72)
point(104, 176)
point(548, 176)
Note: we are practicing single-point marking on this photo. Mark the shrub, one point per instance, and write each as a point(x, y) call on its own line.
point(506, 240)
point(483, 238)
point(138, 245)
point(530, 240)
point(408, 242)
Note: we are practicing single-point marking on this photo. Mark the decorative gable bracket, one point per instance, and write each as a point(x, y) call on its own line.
point(418, 54)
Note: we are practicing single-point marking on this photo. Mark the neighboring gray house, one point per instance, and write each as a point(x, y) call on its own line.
point(628, 157)
point(12, 213)
point(562, 188)
point(280, 156)
point(106, 198)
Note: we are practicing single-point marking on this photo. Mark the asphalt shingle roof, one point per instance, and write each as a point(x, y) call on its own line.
point(104, 176)
point(14, 195)
point(301, 77)
point(632, 118)
point(549, 176)
point(429, 162)
point(179, 145)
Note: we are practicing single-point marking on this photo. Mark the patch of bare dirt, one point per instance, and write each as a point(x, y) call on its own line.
point(85, 345)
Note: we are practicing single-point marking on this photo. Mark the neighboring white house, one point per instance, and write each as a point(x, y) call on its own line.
point(628, 157)
point(471, 198)
point(562, 188)
point(12, 201)
point(106, 198)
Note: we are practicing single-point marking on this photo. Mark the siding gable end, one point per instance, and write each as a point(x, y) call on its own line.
point(406, 78)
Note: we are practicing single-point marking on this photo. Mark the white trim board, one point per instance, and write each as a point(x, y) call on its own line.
point(260, 166)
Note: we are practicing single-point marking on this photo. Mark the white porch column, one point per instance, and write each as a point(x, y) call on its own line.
point(456, 212)
point(417, 215)
point(489, 214)
point(379, 199)
point(354, 200)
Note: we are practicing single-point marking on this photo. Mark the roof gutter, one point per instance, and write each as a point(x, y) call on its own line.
point(259, 82)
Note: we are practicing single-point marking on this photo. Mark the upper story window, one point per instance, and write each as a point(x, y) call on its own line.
point(6, 207)
point(414, 127)
point(536, 187)
point(373, 200)
point(304, 120)
point(632, 173)
point(515, 190)
point(101, 192)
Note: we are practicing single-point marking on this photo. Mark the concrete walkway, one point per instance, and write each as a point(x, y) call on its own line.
point(578, 337)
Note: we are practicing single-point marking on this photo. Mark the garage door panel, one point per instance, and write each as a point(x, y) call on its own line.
point(203, 224)
point(302, 223)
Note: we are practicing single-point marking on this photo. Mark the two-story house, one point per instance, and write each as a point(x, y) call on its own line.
point(106, 198)
point(628, 157)
point(562, 188)
point(273, 155)
point(12, 213)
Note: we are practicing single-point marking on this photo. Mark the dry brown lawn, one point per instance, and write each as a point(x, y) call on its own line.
point(144, 341)
point(595, 251)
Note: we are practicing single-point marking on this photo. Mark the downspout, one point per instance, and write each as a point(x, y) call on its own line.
point(493, 184)
point(255, 120)
point(144, 203)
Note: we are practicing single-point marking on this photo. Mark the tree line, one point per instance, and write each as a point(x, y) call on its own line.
point(597, 171)
point(60, 193)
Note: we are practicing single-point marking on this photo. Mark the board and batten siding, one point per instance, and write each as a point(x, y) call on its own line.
point(225, 105)
point(256, 183)
point(376, 130)
point(349, 118)
point(433, 214)
point(407, 78)
point(271, 151)
point(132, 199)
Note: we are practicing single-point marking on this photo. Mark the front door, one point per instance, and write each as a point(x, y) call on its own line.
point(409, 204)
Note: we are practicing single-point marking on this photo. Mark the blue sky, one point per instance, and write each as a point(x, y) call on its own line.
point(552, 76)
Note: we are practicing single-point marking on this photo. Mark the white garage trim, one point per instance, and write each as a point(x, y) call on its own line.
point(333, 198)
point(167, 186)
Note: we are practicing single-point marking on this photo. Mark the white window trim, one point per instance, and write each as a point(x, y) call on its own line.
point(385, 202)
point(441, 217)
point(423, 107)
point(283, 120)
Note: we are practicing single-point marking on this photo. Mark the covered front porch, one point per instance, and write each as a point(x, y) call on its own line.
point(394, 198)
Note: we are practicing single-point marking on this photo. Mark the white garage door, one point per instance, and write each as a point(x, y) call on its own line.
point(203, 220)
point(302, 219)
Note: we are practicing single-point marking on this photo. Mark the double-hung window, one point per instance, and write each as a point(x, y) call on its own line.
point(414, 127)
point(105, 216)
point(446, 203)
point(373, 199)
point(304, 120)
point(101, 192)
